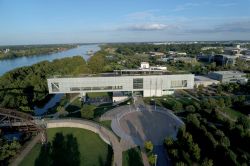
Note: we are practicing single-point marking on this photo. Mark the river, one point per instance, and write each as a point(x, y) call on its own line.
point(9, 64)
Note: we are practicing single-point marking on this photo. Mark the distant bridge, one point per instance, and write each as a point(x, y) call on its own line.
point(24, 122)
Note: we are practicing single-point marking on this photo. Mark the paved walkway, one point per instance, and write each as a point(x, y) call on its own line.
point(145, 120)
point(106, 135)
point(25, 151)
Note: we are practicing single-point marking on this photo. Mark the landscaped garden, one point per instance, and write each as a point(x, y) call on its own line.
point(70, 146)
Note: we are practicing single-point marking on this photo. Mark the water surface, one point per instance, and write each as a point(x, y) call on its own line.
point(9, 64)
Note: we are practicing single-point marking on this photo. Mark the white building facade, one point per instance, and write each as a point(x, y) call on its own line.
point(148, 85)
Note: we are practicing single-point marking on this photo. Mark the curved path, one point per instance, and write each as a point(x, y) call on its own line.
point(105, 134)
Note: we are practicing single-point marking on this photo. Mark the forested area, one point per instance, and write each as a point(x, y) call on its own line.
point(209, 137)
point(23, 87)
point(8, 52)
point(190, 49)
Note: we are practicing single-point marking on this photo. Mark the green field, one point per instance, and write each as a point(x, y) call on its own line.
point(132, 157)
point(233, 113)
point(82, 147)
point(98, 94)
point(106, 123)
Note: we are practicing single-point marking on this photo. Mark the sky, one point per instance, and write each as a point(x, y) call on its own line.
point(96, 21)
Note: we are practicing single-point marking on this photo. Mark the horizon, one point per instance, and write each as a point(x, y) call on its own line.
point(54, 22)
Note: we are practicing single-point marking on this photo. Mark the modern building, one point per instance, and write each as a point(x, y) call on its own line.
point(205, 81)
point(219, 59)
point(224, 60)
point(245, 58)
point(229, 76)
point(135, 81)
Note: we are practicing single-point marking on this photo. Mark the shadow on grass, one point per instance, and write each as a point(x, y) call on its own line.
point(62, 151)
point(72, 108)
point(108, 159)
point(133, 157)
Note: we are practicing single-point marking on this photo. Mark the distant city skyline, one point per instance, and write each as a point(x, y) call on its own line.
point(61, 21)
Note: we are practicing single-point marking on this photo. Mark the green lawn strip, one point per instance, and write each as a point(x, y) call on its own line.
point(30, 159)
point(98, 94)
point(132, 157)
point(233, 113)
point(106, 123)
point(93, 151)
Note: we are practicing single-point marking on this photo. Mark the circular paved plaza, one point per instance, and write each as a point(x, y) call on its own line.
point(140, 126)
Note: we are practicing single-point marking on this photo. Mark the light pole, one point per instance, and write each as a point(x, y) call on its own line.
point(155, 159)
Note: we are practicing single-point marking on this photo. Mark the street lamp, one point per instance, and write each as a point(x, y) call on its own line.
point(154, 103)
point(155, 159)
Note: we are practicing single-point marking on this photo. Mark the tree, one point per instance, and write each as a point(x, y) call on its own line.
point(219, 89)
point(224, 141)
point(148, 146)
point(9, 149)
point(177, 106)
point(152, 159)
point(88, 111)
point(228, 102)
point(190, 108)
point(244, 121)
point(221, 103)
point(196, 152)
point(207, 162)
point(169, 141)
point(200, 88)
point(59, 108)
point(193, 119)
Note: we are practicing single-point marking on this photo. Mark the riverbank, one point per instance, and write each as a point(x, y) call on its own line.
point(11, 52)
point(10, 64)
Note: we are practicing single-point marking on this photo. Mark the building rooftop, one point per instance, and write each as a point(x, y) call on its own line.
point(118, 73)
point(228, 72)
point(203, 78)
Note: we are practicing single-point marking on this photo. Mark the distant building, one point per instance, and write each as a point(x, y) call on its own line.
point(234, 50)
point(219, 59)
point(185, 59)
point(156, 54)
point(224, 60)
point(245, 57)
point(228, 76)
point(119, 97)
point(205, 81)
point(6, 50)
point(181, 53)
point(145, 66)
point(211, 48)
point(177, 53)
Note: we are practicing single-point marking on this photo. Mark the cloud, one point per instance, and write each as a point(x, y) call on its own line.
point(226, 4)
point(148, 14)
point(146, 27)
point(185, 6)
point(234, 27)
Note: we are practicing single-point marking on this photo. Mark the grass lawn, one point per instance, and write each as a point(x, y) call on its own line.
point(30, 159)
point(98, 94)
point(132, 157)
point(106, 123)
point(92, 150)
point(233, 113)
